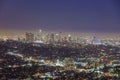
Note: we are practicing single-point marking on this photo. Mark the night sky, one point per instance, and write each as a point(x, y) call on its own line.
point(60, 15)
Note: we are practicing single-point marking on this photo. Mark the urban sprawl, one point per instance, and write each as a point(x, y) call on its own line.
point(58, 56)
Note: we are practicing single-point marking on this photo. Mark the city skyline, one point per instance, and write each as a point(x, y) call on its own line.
point(93, 16)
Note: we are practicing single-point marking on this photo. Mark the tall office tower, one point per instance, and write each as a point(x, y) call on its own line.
point(60, 37)
point(75, 37)
point(93, 39)
point(29, 37)
point(47, 38)
point(78, 40)
point(69, 38)
point(56, 37)
point(40, 35)
point(52, 38)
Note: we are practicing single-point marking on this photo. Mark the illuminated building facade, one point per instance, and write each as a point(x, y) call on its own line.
point(29, 37)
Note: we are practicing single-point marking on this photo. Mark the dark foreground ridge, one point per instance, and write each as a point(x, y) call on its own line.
point(31, 61)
